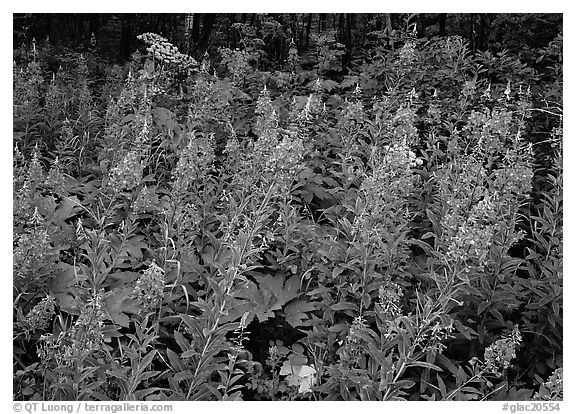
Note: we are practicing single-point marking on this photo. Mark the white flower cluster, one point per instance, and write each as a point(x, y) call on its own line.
point(166, 52)
point(128, 173)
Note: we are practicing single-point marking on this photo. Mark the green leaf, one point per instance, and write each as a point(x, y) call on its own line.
point(344, 306)
point(295, 312)
point(68, 208)
point(425, 365)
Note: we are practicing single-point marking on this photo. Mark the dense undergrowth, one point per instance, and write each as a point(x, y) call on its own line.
point(210, 230)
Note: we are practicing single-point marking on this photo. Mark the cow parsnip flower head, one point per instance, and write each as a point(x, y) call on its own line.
point(161, 49)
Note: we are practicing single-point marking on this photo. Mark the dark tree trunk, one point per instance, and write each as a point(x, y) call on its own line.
point(207, 26)
point(308, 27)
point(195, 31)
point(472, 33)
point(442, 24)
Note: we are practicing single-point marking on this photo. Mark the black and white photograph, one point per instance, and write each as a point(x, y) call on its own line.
point(287, 207)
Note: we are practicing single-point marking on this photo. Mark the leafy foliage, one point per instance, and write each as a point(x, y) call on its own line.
point(211, 230)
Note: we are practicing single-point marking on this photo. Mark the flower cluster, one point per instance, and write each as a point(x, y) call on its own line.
point(144, 202)
point(498, 356)
point(351, 116)
point(433, 332)
point(127, 174)
point(82, 340)
point(54, 96)
point(553, 389)
point(240, 333)
point(166, 52)
point(25, 186)
point(474, 234)
point(40, 316)
point(407, 53)
point(385, 193)
point(27, 87)
point(237, 62)
point(149, 289)
point(55, 179)
point(354, 344)
point(266, 117)
point(276, 352)
point(187, 218)
point(403, 127)
point(84, 96)
point(469, 89)
point(87, 333)
point(483, 190)
point(489, 131)
point(292, 56)
point(389, 297)
point(33, 250)
point(210, 102)
point(284, 161)
point(196, 160)
point(312, 108)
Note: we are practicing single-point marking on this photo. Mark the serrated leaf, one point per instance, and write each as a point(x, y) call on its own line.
point(295, 312)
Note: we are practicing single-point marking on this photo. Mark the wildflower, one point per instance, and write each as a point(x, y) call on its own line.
point(243, 321)
point(353, 346)
point(498, 356)
point(187, 218)
point(353, 111)
point(80, 231)
point(487, 94)
point(33, 250)
point(508, 91)
point(205, 64)
point(407, 53)
point(434, 114)
point(35, 171)
point(149, 289)
point(144, 133)
point(317, 87)
point(128, 173)
point(412, 96)
point(84, 338)
point(55, 179)
point(53, 95)
point(266, 117)
point(46, 348)
point(389, 296)
point(285, 157)
point(553, 388)
point(232, 149)
point(275, 354)
point(237, 62)
point(403, 126)
point(164, 51)
point(40, 315)
point(196, 159)
point(385, 191)
point(311, 108)
point(143, 203)
point(292, 56)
